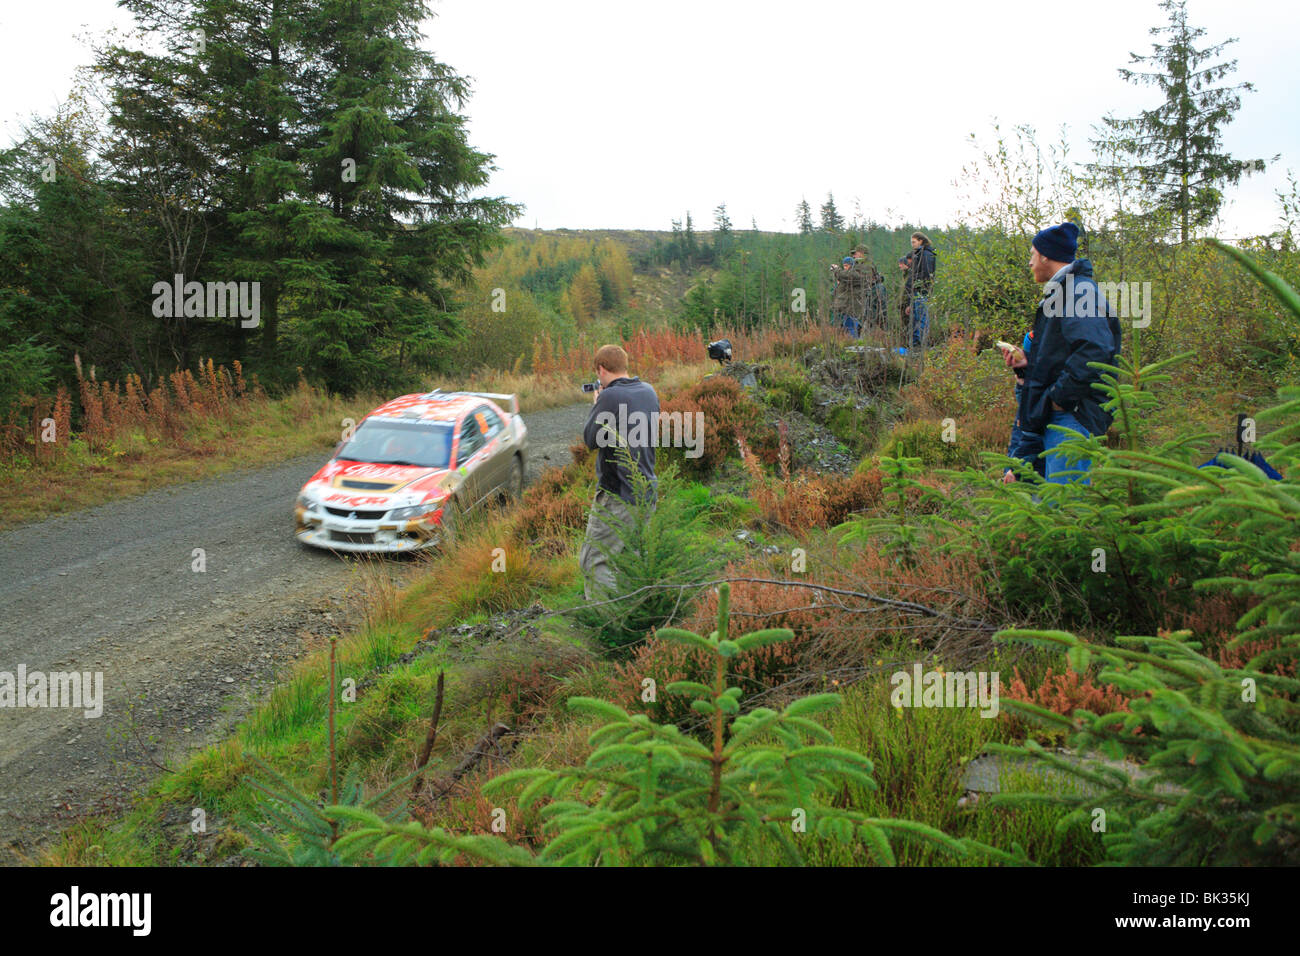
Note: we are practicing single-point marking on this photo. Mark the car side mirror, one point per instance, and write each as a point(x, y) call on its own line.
point(338, 448)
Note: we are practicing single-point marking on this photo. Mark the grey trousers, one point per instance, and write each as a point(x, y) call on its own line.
point(601, 542)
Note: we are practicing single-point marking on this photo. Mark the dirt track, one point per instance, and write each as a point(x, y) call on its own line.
point(183, 653)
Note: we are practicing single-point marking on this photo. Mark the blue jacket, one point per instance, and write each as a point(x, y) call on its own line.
point(1073, 325)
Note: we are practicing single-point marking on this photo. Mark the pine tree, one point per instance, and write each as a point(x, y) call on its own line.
point(831, 220)
point(665, 549)
point(215, 123)
point(803, 214)
point(1175, 149)
point(722, 234)
point(72, 267)
point(677, 245)
point(404, 227)
point(332, 153)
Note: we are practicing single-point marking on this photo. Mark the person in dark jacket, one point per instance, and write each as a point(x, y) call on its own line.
point(869, 281)
point(618, 404)
point(1073, 326)
point(847, 301)
point(905, 302)
point(878, 303)
point(921, 264)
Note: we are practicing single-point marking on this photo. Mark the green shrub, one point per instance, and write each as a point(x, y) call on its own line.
point(1214, 777)
point(923, 441)
point(791, 392)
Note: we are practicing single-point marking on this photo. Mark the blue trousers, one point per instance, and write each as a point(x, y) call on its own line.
point(920, 319)
point(1057, 469)
point(1026, 446)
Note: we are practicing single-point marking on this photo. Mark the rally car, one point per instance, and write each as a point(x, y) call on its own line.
point(411, 468)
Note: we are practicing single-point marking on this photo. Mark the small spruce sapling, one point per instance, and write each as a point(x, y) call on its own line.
point(760, 780)
point(665, 551)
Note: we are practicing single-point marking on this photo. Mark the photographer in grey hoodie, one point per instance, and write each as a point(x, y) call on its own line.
point(618, 404)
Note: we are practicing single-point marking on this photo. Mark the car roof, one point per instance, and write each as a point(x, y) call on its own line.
point(431, 406)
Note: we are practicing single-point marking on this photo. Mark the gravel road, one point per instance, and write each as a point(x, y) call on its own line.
point(184, 652)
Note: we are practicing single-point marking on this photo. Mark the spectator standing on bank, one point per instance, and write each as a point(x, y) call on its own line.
point(845, 303)
point(921, 265)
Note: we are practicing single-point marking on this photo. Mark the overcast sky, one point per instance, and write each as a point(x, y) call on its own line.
point(606, 115)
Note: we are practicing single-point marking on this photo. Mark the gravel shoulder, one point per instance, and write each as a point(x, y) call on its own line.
point(184, 652)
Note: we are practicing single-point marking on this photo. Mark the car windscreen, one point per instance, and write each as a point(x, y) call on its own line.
point(387, 442)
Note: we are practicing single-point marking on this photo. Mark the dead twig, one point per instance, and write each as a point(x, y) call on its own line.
point(429, 739)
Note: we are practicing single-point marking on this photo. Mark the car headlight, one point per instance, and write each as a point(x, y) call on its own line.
point(414, 511)
point(306, 503)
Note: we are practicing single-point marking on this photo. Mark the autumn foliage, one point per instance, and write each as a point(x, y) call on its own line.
point(1068, 691)
point(103, 412)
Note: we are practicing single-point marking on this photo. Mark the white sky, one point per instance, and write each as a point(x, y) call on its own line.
point(608, 114)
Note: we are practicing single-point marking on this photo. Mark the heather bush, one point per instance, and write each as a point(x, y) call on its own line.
point(799, 504)
point(1066, 692)
point(766, 668)
point(554, 509)
point(730, 416)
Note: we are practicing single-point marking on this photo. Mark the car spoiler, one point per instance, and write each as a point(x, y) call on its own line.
point(511, 401)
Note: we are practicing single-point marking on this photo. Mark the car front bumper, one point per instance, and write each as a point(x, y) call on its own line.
point(383, 537)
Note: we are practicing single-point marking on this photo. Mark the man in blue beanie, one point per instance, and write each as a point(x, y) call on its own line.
point(1073, 325)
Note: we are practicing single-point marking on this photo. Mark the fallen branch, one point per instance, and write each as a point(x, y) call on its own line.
point(491, 739)
point(478, 752)
point(429, 739)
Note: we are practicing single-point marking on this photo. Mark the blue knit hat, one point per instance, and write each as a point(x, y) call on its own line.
point(1058, 243)
point(846, 260)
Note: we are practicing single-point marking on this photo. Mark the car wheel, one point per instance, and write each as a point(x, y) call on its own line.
point(450, 520)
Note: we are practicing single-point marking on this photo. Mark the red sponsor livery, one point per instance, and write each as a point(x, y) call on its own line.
point(358, 501)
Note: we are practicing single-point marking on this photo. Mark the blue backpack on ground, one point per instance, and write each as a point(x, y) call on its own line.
point(1254, 457)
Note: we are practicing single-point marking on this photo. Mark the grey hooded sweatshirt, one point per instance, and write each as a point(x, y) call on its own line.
point(625, 406)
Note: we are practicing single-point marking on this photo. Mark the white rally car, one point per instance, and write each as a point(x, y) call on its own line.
point(411, 468)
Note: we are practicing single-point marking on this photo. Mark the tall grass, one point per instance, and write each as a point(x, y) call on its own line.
point(918, 753)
